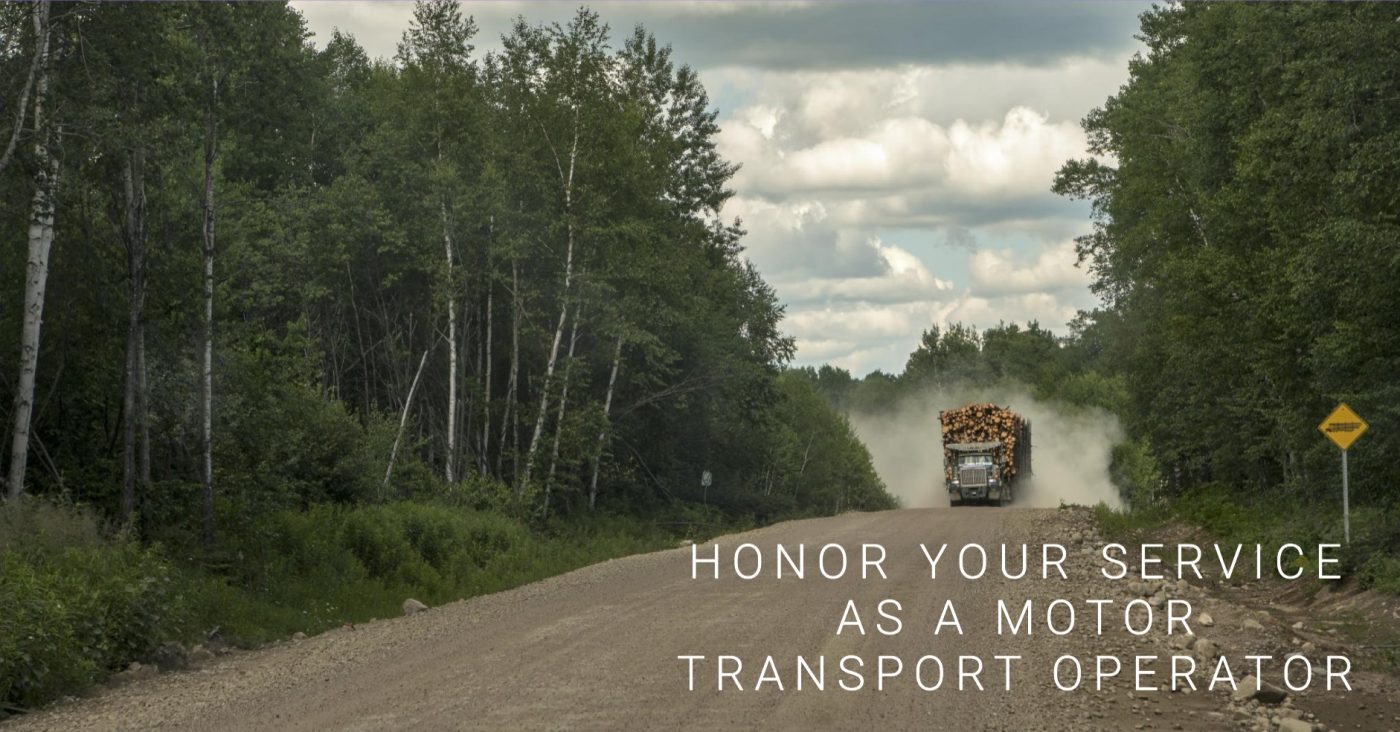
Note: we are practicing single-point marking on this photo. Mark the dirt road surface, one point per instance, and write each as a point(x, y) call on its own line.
point(598, 649)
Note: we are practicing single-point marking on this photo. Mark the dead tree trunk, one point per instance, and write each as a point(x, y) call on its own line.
point(510, 421)
point(403, 422)
point(211, 130)
point(451, 351)
point(484, 461)
point(133, 400)
point(41, 218)
point(603, 433)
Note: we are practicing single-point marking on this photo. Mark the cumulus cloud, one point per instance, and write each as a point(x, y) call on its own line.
point(1002, 271)
point(904, 279)
point(909, 160)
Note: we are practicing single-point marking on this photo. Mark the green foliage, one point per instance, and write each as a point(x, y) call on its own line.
point(1128, 525)
point(1232, 515)
point(364, 208)
point(1242, 244)
point(819, 465)
point(1135, 472)
point(74, 604)
point(311, 570)
point(77, 604)
point(1381, 572)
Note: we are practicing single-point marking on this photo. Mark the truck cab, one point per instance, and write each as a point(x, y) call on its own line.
point(977, 474)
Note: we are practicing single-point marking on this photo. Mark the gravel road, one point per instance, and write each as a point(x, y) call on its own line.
point(598, 649)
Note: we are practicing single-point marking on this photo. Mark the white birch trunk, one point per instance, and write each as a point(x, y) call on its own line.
point(40, 238)
point(563, 406)
point(603, 433)
point(568, 181)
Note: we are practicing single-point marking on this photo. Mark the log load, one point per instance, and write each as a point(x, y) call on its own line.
point(987, 423)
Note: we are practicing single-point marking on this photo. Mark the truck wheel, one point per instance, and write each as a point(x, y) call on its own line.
point(955, 502)
point(1007, 496)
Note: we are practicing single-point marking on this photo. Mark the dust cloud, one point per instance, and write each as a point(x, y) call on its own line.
point(1070, 450)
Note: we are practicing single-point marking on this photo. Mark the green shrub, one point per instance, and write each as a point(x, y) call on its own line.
point(1381, 572)
point(70, 615)
point(1215, 508)
point(76, 604)
point(1128, 524)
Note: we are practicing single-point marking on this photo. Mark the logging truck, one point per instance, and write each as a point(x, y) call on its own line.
point(986, 453)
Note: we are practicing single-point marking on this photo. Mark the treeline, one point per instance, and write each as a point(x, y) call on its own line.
point(1247, 245)
point(1068, 373)
point(959, 357)
point(261, 276)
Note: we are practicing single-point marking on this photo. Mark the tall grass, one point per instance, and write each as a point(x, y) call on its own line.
point(1372, 557)
point(78, 602)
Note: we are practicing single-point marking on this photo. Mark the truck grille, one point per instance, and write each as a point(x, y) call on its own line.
point(973, 477)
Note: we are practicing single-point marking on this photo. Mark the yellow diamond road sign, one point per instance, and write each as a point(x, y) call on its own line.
point(1343, 426)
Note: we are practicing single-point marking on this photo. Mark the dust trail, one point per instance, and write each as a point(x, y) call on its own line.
point(1070, 450)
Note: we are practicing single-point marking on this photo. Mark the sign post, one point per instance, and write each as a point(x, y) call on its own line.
point(1343, 427)
point(705, 480)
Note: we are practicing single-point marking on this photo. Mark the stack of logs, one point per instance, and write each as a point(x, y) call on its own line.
point(982, 423)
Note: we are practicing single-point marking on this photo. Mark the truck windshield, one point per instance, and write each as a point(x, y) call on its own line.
point(975, 460)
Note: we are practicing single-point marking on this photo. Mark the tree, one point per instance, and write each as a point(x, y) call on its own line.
point(41, 235)
point(438, 76)
point(1225, 224)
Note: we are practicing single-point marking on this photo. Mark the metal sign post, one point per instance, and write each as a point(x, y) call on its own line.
point(1343, 427)
point(1346, 505)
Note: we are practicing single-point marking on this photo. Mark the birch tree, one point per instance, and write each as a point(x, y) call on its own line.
point(574, 63)
point(40, 242)
point(436, 55)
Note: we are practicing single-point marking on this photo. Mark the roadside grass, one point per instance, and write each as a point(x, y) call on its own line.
point(1124, 526)
point(1372, 558)
point(79, 601)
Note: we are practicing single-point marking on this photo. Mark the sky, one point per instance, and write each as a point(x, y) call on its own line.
point(896, 157)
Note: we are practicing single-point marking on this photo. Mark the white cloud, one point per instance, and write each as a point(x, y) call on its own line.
point(904, 279)
point(1014, 156)
point(1018, 156)
point(963, 156)
point(1002, 271)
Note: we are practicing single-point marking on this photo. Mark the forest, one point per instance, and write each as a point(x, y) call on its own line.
point(304, 331)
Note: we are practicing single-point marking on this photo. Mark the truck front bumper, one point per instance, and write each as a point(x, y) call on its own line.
point(975, 493)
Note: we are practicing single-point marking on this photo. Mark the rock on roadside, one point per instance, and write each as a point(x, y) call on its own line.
point(1251, 688)
point(137, 671)
point(411, 606)
point(1295, 725)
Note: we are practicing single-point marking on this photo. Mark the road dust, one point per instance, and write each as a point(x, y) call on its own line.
point(1070, 449)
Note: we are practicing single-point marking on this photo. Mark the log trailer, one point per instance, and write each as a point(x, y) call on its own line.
point(986, 453)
